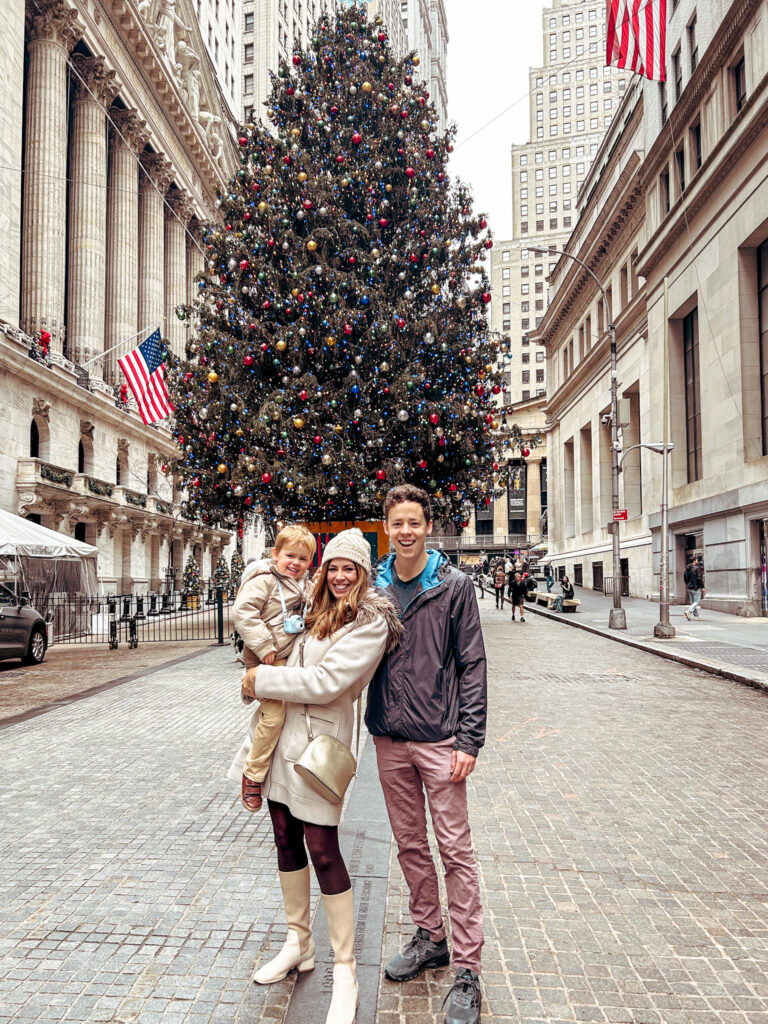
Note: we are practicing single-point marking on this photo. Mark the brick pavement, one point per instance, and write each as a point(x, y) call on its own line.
point(619, 813)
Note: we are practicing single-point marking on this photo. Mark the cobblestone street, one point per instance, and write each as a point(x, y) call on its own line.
point(619, 814)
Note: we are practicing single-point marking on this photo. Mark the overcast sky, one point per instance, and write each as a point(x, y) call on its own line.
point(492, 45)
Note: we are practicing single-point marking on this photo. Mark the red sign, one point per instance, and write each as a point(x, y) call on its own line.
point(620, 514)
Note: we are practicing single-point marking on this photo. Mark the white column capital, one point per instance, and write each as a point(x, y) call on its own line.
point(158, 172)
point(54, 21)
point(127, 128)
point(94, 80)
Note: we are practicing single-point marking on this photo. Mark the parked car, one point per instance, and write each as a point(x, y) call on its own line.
point(23, 632)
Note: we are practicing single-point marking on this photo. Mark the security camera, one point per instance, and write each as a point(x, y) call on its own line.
point(605, 420)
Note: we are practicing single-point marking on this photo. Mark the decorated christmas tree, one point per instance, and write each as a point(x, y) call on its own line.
point(236, 569)
point(343, 344)
point(221, 573)
point(190, 578)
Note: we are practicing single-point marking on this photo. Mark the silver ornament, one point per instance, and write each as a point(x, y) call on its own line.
point(402, 415)
point(233, 406)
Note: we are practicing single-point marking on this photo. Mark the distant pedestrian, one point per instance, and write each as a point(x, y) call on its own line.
point(499, 582)
point(549, 576)
point(517, 593)
point(567, 594)
point(694, 581)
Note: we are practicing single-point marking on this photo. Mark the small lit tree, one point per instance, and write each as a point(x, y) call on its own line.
point(190, 580)
point(236, 569)
point(221, 573)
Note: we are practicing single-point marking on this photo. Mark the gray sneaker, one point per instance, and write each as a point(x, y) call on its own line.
point(420, 953)
point(464, 999)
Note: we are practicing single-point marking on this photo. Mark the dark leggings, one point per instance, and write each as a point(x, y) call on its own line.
point(322, 841)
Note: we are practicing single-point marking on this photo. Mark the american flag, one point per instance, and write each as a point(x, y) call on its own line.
point(637, 36)
point(143, 370)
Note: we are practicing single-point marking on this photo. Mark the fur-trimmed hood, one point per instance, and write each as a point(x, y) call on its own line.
point(375, 603)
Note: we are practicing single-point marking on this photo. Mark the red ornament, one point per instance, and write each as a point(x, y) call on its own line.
point(496, 389)
point(380, 474)
point(357, 138)
point(525, 452)
point(243, 264)
point(483, 223)
point(486, 297)
point(303, 396)
point(248, 500)
point(266, 304)
point(290, 90)
point(281, 453)
point(339, 159)
point(479, 390)
point(307, 204)
point(422, 463)
point(243, 141)
point(317, 439)
point(347, 328)
point(383, 222)
point(400, 323)
point(409, 172)
point(334, 111)
point(296, 60)
point(488, 243)
point(266, 477)
point(430, 153)
point(452, 487)
point(246, 216)
point(434, 419)
point(464, 524)
point(248, 360)
point(382, 37)
point(264, 346)
point(196, 481)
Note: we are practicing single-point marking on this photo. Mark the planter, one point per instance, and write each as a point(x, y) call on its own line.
point(193, 602)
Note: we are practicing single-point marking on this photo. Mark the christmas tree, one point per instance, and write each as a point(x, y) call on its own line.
point(342, 343)
point(221, 573)
point(236, 569)
point(190, 578)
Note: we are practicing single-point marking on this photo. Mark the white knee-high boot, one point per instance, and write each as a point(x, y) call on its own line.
point(340, 913)
point(299, 949)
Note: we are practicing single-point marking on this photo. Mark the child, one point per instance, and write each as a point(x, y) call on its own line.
point(272, 594)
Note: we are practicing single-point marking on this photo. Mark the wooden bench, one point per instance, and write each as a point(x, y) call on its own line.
point(547, 600)
point(571, 605)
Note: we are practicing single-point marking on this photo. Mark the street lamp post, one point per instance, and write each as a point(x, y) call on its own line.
point(617, 618)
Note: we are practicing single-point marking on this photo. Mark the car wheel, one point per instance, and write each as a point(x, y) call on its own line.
point(36, 651)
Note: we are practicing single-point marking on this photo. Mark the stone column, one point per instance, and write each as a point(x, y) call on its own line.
point(127, 138)
point(533, 494)
point(178, 210)
point(154, 179)
point(51, 32)
point(94, 89)
point(195, 259)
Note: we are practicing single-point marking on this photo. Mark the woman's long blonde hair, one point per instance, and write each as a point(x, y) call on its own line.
point(327, 614)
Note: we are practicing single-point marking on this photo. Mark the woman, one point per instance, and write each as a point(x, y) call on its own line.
point(349, 627)
point(499, 582)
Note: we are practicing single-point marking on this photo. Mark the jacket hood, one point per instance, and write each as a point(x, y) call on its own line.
point(437, 565)
point(374, 604)
point(260, 567)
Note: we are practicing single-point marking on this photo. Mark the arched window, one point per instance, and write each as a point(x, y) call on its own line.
point(80, 531)
point(117, 470)
point(80, 457)
point(85, 454)
point(34, 440)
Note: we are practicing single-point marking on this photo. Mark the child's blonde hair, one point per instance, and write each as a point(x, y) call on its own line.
point(294, 534)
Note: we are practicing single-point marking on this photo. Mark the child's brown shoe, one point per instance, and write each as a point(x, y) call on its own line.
point(250, 794)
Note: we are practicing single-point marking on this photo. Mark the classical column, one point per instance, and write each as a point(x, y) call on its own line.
point(94, 88)
point(154, 179)
point(178, 210)
point(127, 138)
point(533, 511)
point(195, 259)
point(51, 32)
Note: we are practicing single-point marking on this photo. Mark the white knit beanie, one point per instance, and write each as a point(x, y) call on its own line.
point(349, 544)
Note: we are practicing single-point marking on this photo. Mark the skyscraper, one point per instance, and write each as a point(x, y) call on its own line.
point(572, 97)
point(426, 27)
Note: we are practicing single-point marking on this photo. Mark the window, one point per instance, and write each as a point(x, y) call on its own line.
point(525, 307)
point(523, 158)
point(505, 308)
point(525, 271)
point(539, 357)
point(506, 325)
point(740, 83)
point(525, 376)
point(526, 357)
point(34, 441)
point(677, 74)
point(248, 22)
point(505, 290)
point(525, 323)
point(526, 395)
point(505, 255)
point(248, 85)
point(505, 274)
point(248, 53)
point(664, 193)
point(663, 101)
point(693, 46)
point(696, 146)
point(762, 305)
point(539, 376)
point(692, 394)
point(680, 167)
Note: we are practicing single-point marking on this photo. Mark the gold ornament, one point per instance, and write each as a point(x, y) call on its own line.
point(222, 468)
point(367, 86)
point(339, 429)
point(295, 132)
point(239, 432)
point(416, 61)
point(251, 467)
point(262, 206)
point(281, 346)
point(298, 422)
point(344, 182)
point(495, 424)
point(294, 292)
point(435, 289)
point(289, 485)
point(330, 341)
point(312, 245)
point(387, 188)
point(302, 176)
point(213, 377)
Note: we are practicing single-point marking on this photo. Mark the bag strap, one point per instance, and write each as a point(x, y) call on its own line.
point(308, 720)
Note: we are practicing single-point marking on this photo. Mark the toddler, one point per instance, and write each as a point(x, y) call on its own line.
point(271, 596)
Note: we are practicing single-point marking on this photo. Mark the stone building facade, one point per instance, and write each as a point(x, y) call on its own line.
point(114, 140)
point(678, 191)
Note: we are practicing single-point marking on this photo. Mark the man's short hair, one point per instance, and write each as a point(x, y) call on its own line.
point(407, 492)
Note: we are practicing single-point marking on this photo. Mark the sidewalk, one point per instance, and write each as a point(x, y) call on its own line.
point(728, 645)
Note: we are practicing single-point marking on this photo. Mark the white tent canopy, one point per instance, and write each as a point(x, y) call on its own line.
point(47, 561)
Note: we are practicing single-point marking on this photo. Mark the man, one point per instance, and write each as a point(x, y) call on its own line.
point(550, 576)
point(694, 581)
point(426, 712)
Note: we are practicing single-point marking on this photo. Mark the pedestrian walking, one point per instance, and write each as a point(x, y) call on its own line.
point(517, 596)
point(694, 581)
point(510, 580)
point(426, 712)
point(499, 582)
point(566, 595)
point(549, 576)
point(349, 628)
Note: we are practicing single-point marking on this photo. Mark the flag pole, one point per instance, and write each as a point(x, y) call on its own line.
point(119, 344)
